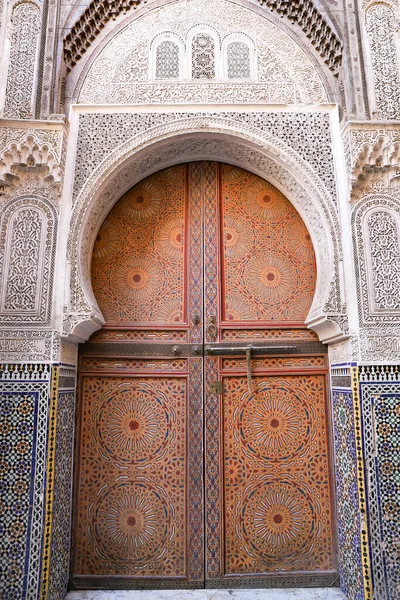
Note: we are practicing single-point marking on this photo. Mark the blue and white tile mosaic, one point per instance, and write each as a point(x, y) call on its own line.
point(348, 517)
point(380, 402)
point(24, 398)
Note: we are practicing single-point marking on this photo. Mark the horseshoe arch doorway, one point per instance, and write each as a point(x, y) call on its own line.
point(203, 455)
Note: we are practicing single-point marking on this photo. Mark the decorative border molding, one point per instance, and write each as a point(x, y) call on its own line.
point(49, 493)
point(362, 491)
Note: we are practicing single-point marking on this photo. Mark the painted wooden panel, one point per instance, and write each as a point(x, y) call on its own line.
point(138, 264)
point(131, 517)
point(269, 268)
point(276, 475)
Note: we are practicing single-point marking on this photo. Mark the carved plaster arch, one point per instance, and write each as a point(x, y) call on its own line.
point(204, 138)
point(79, 73)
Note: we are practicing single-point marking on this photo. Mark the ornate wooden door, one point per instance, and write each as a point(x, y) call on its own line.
point(203, 455)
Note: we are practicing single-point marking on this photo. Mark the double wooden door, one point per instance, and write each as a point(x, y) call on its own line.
point(203, 453)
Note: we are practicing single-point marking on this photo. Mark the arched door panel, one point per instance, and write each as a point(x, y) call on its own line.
point(203, 453)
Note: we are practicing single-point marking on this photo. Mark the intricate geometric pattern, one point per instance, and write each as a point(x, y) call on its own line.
point(277, 490)
point(23, 435)
point(132, 517)
point(380, 402)
point(238, 60)
point(387, 423)
point(61, 510)
point(138, 268)
point(196, 470)
point(167, 60)
point(17, 475)
point(348, 515)
point(203, 57)
point(269, 262)
point(19, 92)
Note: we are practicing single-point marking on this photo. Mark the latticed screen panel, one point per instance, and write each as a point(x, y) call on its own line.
point(238, 60)
point(203, 57)
point(167, 60)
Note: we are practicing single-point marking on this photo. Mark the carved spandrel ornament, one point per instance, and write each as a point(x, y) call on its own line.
point(138, 157)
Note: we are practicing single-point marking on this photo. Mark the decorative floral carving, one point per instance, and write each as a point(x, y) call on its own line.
point(384, 260)
point(23, 260)
point(381, 24)
point(21, 71)
point(377, 256)
point(27, 251)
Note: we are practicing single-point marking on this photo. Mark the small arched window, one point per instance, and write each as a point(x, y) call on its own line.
point(203, 56)
point(238, 60)
point(167, 60)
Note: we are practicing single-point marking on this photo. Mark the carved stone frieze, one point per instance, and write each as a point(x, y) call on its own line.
point(304, 14)
point(18, 345)
point(344, 352)
point(68, 353)
point(380, 344)
point(255, 141)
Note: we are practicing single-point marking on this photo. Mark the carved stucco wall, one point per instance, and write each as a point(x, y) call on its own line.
point(373, 157)
point(118, 70)
point(292, 150)
point(383, 36)
point(25, 23)
point(31, 164)
point(377, 255)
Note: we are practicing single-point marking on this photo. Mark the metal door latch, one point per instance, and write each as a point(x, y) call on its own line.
point(216, 387)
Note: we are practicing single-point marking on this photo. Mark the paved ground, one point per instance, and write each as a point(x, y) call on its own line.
point(287, 594)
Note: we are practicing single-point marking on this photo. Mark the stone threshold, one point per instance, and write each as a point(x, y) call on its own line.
point(248, 594)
